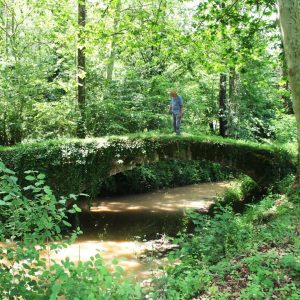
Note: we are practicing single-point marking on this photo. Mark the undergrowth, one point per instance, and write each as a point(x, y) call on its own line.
point(32, 223)
point(254, 255)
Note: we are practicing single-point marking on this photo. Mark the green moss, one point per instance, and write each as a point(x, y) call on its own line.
point(75, 165)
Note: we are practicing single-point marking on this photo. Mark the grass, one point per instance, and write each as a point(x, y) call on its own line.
point(152, 135)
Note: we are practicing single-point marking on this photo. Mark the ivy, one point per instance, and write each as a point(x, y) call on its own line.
point(76, 166)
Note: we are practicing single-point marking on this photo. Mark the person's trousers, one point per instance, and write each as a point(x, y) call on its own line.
point(176, 123)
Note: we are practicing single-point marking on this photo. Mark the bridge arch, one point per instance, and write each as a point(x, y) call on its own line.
point(263, 165)
point(75, 166)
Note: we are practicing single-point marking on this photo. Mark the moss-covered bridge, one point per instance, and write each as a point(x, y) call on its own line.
point(74, 166)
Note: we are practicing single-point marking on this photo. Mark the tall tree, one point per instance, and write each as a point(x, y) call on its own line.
point(234, 31)
point(289, 16)
point(222, 105)
point(81, 97)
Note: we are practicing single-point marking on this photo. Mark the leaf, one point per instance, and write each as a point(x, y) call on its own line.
point(29, 187)
point(30, 178)
point(98, 256)
point(62, 200)
point(41, 176)
point(57, 229)
point(8, 171)
point(47, 190)
point(73, 196)
point(66, 223)
point(7, 197)
point(78, 209)
point(29, 172)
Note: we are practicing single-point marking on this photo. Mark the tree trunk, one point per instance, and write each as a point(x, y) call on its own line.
point(222, 105)
point(231, 84)
point(289, 17)
point(287, 101)
point(230, 102)
point(81, 132)
point(6, 26)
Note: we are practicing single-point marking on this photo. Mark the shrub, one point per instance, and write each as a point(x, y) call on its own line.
point(234, 256)
point(33, 218)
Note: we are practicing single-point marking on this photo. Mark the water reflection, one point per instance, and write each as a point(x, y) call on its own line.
point(112, 224)
point(196, 196)
point(127, 252)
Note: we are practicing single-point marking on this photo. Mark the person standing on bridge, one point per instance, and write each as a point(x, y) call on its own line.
point(176, 108)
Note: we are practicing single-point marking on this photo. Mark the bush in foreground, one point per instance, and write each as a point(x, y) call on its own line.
point(32, 220)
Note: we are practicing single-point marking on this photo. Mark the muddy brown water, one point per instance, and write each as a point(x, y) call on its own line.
point(124, 227)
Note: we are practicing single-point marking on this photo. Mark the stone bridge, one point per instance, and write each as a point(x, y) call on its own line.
point(75, 166)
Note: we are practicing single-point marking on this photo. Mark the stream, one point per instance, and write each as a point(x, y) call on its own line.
point(125, 227)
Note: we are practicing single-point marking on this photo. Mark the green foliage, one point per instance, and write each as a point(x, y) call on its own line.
point(285, 186)
point(221, 236)
point(248, 186)
point(249, 256)
point(150, 48)
point(285, 128)
point(30, 213)
point(33, 218)
point(182, 282)
point(165, 174)
point(270, 271)
point(257, 103)
point(231, 196)
point(76, 166)
point(35, 279)
point(91, 280)
point(51, 120)
point(126, 108)
point(241, 192)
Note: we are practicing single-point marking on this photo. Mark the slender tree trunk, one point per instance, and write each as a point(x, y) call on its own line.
point(4, 39)
point(231, 84)
point(81, 84)
point(222, 91)
point(289, 16)
point(3, 130)
point(230, 102)
point(222, 105)
point(6, 26)
point(112, 56)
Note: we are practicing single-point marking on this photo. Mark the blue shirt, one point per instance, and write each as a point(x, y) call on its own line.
point(176, 104)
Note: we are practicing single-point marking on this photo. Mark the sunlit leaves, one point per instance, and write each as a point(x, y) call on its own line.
point(35, 216)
